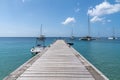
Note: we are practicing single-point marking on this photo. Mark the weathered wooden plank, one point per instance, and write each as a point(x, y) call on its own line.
point(52, 78)
point(38, 72)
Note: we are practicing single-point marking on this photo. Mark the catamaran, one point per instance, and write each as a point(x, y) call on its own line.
point(40, 43)
point(112, 37)
point(87, 38)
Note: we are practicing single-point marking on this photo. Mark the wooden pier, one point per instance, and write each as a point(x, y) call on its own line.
point(58, 62)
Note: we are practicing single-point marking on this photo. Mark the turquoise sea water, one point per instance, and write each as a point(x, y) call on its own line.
point(103, 54)
point(14, 52)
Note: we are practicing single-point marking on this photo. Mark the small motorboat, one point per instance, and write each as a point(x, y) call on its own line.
point(37, 49)
point(70, 43)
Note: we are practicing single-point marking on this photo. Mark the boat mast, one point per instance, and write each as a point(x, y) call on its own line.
point(41, 30)
point(42, 37)
point(88, 25)
point(72, 32)
point(113, 32)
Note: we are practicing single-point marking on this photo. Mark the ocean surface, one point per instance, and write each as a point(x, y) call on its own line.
point(103, 54)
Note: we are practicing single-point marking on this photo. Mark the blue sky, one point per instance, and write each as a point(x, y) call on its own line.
point(23, 18)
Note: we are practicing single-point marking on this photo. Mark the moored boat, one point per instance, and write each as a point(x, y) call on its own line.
point(40, 44)
point(87, 38)
point(113, 35)
point(112, 38)
point(37, 49)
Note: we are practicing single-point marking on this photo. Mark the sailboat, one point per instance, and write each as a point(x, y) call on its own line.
point(112, 37)
point(87, 38)
point(70, 42)
point(72, 37)
point(40, 43)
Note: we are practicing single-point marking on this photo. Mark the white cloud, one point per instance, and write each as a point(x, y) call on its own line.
point(69, 20)
point(105, 8)
point(117, 0)
point(97, 19)
point(77, 10)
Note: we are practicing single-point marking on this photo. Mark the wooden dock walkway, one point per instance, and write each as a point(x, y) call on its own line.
point(59, 62)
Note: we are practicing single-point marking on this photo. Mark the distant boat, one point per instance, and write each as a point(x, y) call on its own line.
point(40, 43)
point(70, 43)
point(112, 37)
point(72, 37)
point(87, 38)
